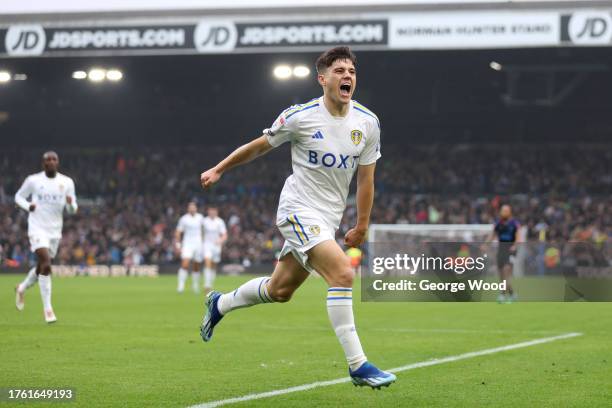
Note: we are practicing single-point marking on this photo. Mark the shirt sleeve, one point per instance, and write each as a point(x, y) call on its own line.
point(281, 130)
point(371, 152)
point(71, 192)
point(181, 225)
point(23, 193)
point(223, 229)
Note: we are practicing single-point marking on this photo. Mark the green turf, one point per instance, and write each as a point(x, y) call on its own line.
point(134, 342)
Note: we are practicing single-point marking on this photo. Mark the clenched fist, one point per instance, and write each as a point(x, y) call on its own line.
point(209, 177)
point(355, 237)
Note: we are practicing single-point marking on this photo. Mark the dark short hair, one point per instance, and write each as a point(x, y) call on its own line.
point(326, 59)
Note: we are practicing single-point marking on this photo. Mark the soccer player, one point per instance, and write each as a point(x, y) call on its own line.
point(215, 234)
point(188, 241)
point(50, 192)
point(507, 231)
point(331, 137)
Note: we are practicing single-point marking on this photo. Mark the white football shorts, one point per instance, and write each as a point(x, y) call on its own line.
point(303, 231)
point(42, 241)
point(212, 252)
point(192, 251)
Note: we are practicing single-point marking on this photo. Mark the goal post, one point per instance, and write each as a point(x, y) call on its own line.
point(466, 232)
point(414, 235)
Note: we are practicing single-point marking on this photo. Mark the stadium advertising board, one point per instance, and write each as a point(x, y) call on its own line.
point(214, 35)
point(33, 40)
point(587, 28)
point(206, 36)
point(474, 30)
point(106, 271)
point(486, 29)
point(397, 31)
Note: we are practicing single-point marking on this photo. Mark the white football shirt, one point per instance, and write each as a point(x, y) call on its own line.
point(325, 152)
point(49, 195)
point(192, 228)
point(213, 229)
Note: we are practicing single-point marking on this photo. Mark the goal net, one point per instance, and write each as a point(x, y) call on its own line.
point(415, 240)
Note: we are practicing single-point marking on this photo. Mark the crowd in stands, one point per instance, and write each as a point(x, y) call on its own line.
point(131, 198)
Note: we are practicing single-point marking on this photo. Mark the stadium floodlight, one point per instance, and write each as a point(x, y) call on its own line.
point(96, 74)
point(495, 66)
point(301, 71)
point(114, 75)
point(282, 72)
point(20, 77)
point(79, 74)
point(5, 76)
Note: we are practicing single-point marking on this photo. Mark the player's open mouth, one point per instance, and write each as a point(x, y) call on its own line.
point(345, 89)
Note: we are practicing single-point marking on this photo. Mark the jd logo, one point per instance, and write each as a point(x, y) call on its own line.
point(25, 40)
point(590, 28)
point(215, 36)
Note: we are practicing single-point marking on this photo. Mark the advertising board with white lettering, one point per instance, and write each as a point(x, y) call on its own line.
point(206, 36)
point(35, 40)
point(392, 31)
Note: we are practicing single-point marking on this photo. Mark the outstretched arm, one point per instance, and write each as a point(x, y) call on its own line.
point(365, 198)
point(241, 155)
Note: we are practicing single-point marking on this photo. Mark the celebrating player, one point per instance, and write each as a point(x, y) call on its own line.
point(507, 231)
point(215, 234)
point(50, 192)
point(331, 137)
point(188, 241)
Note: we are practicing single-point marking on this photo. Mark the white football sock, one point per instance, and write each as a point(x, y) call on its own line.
point(195, 281)
point(251, 293)
point(182, 278)
point(44, 282)
point(29, 280)
point(209, 277)
point(340, 311)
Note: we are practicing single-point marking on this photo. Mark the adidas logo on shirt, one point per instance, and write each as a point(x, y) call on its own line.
point(318, 135)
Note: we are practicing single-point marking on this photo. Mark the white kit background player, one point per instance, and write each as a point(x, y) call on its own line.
point(188, 241)
point(49, 193)
point(331, 137)
point(215, 234)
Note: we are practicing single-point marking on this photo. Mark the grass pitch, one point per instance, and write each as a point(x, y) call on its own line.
point(134, 342)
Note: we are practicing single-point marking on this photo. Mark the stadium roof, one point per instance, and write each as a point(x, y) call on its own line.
point(15, 10)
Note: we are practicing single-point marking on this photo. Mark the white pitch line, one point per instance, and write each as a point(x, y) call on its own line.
point(417, 330)
point(412, 366)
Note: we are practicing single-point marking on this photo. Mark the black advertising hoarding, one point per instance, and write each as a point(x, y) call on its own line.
point(397, 31)
point(36, 40)
point(355, 32)
point(2, 36)
point(206, 36)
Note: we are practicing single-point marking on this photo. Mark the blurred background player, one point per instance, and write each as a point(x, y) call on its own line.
point(215, 234)
point(188, 240)
point(49, 192)
point(507, 232)
point(332, 137)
